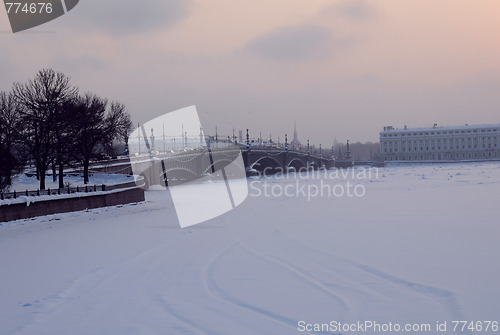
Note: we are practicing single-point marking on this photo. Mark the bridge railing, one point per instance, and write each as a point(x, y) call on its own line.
point(57, 191)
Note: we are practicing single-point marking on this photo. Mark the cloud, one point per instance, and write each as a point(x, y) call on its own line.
point(359, 10)
point(297, 43)
point(127, 17)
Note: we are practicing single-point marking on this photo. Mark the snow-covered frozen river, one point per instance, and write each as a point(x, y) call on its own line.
point(420, 246)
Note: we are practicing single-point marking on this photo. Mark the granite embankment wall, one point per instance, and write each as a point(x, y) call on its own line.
point(28, 207)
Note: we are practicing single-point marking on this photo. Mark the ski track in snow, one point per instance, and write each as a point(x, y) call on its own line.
point(218, 292)
point(308, 277)
point(444, 297)
point(98, 280)
point(337, 269)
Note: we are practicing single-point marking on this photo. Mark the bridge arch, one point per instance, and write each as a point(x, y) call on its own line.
point(297, 163)
point(267, 164)
point(220, 163)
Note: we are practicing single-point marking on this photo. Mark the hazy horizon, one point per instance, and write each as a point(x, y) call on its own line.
point(340, 69)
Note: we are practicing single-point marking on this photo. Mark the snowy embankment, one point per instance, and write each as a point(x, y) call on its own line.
point(23, 182)
point(420, 246)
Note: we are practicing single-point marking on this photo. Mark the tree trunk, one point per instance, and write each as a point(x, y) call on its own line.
point(86, 170)
point(42, 178)
point(54, 172)
point(59, 161)
point(61, 175)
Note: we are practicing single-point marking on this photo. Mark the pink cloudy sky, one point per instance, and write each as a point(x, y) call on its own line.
point(342, 69)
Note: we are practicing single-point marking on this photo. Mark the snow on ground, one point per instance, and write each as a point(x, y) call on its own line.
point(23, 182)
point(420, 246)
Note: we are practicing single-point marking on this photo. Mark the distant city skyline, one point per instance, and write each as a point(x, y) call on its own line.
point(341, 69)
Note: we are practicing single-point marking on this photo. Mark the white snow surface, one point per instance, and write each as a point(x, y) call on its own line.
point(420, 246)
point(23, 182)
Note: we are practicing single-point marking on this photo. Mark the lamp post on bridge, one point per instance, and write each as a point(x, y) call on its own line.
point(201, 137)
point(152, 141)
point(248, 141)
point(163, 135)
point(286, 142)
point(216, 137)
point(308, 147)
point(138, 138)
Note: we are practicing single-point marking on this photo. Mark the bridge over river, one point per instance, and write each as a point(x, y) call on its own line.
point(172, 167)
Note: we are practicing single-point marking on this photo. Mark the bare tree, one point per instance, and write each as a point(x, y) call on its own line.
point(64, 147)
point(118, 124)
point(12, 157)
point(43, 99)
point(88, 115)
point(96, 124)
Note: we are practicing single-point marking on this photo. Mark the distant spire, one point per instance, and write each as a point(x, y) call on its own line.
point(295, 139)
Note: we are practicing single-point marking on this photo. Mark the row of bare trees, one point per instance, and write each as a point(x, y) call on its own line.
point(47, 120)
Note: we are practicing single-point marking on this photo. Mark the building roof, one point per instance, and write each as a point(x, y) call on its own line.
point(444, 128)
